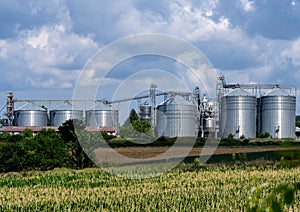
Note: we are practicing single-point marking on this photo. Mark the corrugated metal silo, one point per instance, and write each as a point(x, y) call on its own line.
point(107, 118)
point(30, 118)
point(278, 109)
point(258, 117)
point(177, 117)
point(145, 112)
point(238, 114)
point(57, 117)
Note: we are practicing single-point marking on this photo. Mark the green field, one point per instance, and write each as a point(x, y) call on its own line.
point(185, 188)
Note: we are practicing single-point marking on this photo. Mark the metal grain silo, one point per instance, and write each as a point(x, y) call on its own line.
point(176, 117)
point(57, 117)
point(238, 114)
point(101, 118)
point(30, 118)
point(209, 123)
point(278, 109)
point(258, 117)
point(145, 112)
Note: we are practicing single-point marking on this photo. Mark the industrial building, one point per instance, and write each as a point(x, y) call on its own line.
point(240, 110)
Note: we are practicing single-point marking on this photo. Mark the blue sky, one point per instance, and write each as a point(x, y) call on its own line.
point(45, 44)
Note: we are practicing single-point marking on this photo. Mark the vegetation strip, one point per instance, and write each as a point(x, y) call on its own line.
point(202, 188)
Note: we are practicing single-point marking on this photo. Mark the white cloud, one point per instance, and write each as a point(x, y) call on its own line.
point(248, 6)
point(40, 41)
point(3, 49)
point(47, 55)
point(88, 79)
point(51, 54)
point(261, 74)
point(293, 52)
point(48, 83)
point(185, 21)
point(61, 49)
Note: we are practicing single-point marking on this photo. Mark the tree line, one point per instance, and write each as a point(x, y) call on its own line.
point(70, 147)
point(45, 150)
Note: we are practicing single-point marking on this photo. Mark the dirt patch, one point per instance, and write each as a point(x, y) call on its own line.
point(143, 154)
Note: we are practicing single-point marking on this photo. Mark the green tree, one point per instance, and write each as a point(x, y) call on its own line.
point(137, 129)
point(133, 116)
point(48, 150)
point(297, 121)
point(79, 158)
point(4, 137)
point(44, 151)
point(27, 133)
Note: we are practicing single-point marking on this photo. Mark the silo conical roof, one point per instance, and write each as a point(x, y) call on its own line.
point(277, 92)
point(176, 100)
point(238, 92)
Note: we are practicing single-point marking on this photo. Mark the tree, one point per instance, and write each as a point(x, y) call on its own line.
point(137, 129)
point(48, 150)
point(27, 133)
point(133, 116)
point(298, 123)
point(79, 159)
point(44, 151)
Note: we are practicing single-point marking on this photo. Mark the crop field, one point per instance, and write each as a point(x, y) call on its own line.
point(211, 188)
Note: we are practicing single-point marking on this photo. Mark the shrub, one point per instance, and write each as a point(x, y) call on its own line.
point(264, 135)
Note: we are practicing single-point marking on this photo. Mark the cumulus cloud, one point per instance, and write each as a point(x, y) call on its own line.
point(293, 52)
point(248, 6)
point(3, 49)
point(88, 78)
point(49, 56)
point(50, 47)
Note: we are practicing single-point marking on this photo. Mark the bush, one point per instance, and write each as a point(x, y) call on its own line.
point(264, 135)
point(106, 136)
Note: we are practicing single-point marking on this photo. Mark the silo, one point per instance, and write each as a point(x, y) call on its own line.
point(209, 127)
point(30, 118)
point(238, 114)
point(145, 112)
point(209, 123)
point(57, 117)
point(278, 109)
point(101, 118)
point(258, 117)
point(177, 117)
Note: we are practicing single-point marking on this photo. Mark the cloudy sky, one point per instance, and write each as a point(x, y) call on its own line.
point(44, 45)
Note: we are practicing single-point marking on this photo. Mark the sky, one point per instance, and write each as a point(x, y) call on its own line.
point(45, 45)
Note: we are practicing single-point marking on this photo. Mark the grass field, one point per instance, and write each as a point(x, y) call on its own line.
point(185, 188)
